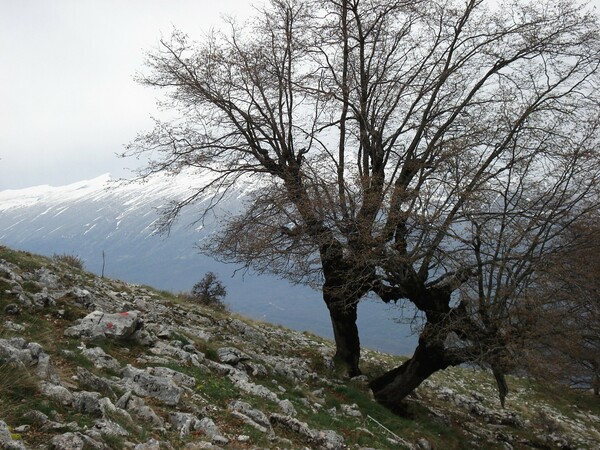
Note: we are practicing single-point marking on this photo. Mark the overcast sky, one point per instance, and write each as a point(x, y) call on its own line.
point(68, 101)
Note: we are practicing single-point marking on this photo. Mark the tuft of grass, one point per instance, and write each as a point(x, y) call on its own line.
point(113, 442)
point(73, 261)
point(18, 390)
point(181, 338)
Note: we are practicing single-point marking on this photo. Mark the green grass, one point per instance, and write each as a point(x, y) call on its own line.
point(181, 338)
point(27, 262)
point(18, 389)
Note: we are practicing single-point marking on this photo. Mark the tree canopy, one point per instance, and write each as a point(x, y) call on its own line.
point(429, 152)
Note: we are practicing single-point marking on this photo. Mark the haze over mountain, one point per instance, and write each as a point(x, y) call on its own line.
point(95, 216)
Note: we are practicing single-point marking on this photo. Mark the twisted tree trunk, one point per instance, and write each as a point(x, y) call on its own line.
point(392, 387)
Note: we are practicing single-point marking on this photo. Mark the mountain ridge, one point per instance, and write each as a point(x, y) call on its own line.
point(92, 218)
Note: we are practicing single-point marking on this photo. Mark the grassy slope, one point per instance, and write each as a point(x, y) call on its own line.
point(428, 415)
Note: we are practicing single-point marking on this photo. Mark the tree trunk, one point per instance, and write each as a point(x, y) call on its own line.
point(343, 318)
point(392, 387)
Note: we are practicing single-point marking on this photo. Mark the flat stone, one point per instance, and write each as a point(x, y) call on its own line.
point(88, 403)
point(104, 426)
point(184, 423)
point(351, 411)
point(57, 393)
point(136, 406)
point(231, 355)
point(208, 427)
point(146, 385)
point(177, 377)
point(99, 324)
point(101, 359)
point(152, 444)
point(90, 381)
point(47, 278)
point(329, 440)
point(251, 416)
point(12, 326)
point(325, 439)
point(252, 388)
point(67, 441)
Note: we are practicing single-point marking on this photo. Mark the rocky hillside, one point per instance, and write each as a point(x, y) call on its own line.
point(90, 363)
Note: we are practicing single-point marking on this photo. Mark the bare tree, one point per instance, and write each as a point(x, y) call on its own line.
point(559, 320)
point(425, 151)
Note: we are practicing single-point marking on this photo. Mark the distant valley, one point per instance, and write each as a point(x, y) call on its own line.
point(95, 216)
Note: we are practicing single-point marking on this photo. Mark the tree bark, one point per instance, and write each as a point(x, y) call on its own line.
point(392, 387)
point(343, 318)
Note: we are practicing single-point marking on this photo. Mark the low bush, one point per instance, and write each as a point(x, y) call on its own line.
point(209, 291)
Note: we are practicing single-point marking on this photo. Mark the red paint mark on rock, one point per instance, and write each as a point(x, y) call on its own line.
point(124, 314)
point(110, 325)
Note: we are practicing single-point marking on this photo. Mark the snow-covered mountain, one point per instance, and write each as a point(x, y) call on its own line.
point(94, 216)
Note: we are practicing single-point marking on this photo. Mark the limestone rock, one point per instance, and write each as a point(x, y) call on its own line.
point(17, 350)
point(6, 440)
point(287, 408)
point(324, 440)
point(329, 440)
point(100, 359)
point(253, 389)
point(144, 338)
point(8, 271)
point(184, 423)
point(104, 426)
point(147, 385)
point(162, 348)
point(83, 297)
point(254, 416)
point(99, 324)
point(208, 427)
point(42, 421)
point(90, 381)
point(423, 444)
point(231, 355)
point(88, 403)
point(136, 406)
point(12, 326)
point(56, 392)
point(294, 369)
point(152, 444)
point(45, 277)
point(67, 441)
point(351, 411)
point(178, 378)
point(247, 332)
point(43, 299)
